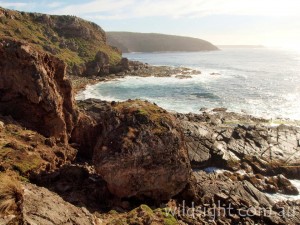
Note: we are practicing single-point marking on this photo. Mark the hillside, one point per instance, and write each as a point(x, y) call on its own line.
point(150, 42)
point(72, 39)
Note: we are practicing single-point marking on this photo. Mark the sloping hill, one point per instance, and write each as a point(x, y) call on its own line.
point(72, 39)
point(151, 42)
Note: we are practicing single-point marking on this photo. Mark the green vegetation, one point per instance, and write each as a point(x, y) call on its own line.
point(140, 215)
point(143, 42)
point(147, 113)
point(18, 150)
point(167, 217)
point(71, 39)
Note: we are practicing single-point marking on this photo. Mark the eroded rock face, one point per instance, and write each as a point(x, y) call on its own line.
point(139, 150)
point(224, 200)
point(233, 141)
point(99, 66)
point(34, 90)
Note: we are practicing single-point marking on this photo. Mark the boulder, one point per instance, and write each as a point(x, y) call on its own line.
point(122, 66)
point(138, 149)
point(35, 91)
point(99, 66)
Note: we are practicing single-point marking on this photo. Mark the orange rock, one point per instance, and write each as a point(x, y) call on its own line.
point(35, 91)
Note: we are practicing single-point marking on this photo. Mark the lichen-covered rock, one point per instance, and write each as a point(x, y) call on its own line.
point(140, 216)
point(139, 150)
point(34, 90)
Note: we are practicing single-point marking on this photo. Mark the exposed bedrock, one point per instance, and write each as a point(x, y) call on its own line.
point(233, 141)
point(34, 90)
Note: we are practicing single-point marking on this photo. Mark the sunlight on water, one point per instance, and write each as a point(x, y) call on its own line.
point(262, 82)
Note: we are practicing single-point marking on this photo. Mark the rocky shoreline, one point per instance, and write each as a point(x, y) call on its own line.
point(132, 162)
point(132, 68)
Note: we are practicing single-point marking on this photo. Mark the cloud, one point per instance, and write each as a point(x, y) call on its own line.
point(54, 4)
point(114, 9)
point(13, 4)
point(100, 6)
point(117, 10)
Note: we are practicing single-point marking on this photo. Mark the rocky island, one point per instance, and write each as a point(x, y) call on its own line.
point(97, 162)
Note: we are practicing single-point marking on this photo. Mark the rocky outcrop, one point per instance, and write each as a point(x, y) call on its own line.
point(232, 141)
point(34, 90)
point(98, 67)
point(225, 200)
point(138, 149)
point(135, 68)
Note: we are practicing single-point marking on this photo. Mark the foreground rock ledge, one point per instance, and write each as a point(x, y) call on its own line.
point(140, 150)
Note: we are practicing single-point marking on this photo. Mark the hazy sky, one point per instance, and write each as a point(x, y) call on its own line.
point(267, 22)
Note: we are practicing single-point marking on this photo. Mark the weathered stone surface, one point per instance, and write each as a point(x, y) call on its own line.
point(41, 206)
point(99, 66)
point(138, 150)
point(224, 200)
point(85, 135)
point(233, 141)
point(34, 90)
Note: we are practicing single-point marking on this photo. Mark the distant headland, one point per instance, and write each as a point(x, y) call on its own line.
point(152, 42)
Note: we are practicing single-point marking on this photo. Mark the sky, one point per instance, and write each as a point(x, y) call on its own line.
point(222, 22)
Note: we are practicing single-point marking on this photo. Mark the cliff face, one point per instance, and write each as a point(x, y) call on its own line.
point(143, 42)
point(69, 38)
point(34, 90)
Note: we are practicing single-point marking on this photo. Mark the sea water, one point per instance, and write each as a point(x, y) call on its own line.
point(263, 82)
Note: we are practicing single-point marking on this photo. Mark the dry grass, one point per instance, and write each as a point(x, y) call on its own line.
point(11, 193)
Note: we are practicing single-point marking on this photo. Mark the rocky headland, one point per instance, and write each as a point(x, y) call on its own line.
point(132, 162)
point(151, 42)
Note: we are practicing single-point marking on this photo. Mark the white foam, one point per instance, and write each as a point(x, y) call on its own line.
point(281, 197)
point(274, 197)
point(92, 91)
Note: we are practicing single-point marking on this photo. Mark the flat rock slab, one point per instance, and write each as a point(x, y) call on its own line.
point(41, 206)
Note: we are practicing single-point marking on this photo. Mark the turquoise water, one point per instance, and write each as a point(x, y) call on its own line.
point(262, 82)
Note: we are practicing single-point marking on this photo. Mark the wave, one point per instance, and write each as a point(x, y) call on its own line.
point(205, 95)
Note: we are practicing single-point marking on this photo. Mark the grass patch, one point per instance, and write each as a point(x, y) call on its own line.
point(11, 194)
point(146, 113)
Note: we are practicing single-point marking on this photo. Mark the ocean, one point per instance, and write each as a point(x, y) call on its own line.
point(262, 82)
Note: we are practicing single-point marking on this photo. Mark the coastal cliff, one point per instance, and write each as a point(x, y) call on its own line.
point(71, 39)
point(143, 42)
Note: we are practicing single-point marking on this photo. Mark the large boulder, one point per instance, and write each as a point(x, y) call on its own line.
point(35, 91)
point(138, 149)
